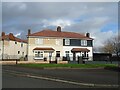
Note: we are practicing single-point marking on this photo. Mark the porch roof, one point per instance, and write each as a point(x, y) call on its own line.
point(80, 50)
point(44, 49)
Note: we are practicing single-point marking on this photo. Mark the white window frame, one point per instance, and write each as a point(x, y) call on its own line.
point(83, 42)
point(67, 53)
point(38, 54)
point(58, 42)
point(21, 44)
point(67, 41)
point(39, 41)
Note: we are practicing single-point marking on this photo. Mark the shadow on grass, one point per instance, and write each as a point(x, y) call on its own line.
point(117, 69)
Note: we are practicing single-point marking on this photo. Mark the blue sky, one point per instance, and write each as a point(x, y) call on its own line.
point(98, 18)
point(110, 27)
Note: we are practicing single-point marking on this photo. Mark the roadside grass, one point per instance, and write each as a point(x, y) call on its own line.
point(69, 65)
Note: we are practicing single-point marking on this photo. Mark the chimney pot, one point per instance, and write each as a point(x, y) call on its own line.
point(88, 35)
point(59, 29)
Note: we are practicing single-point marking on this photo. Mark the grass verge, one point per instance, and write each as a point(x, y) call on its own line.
point(69, 65)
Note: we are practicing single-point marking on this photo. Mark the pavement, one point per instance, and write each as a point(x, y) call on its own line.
point(20, 77)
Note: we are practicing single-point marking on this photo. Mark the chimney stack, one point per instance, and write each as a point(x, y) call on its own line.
point(59, 29)
point(3, 33)
point(88, 35)
point(29, 31)
point(11, 36)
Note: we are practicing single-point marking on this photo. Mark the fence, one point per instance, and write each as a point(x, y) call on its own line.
point(105, 57)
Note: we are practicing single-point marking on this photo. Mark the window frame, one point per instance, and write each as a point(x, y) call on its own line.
point(38, 54)
point(83, 42)
point(67, 41)
point(15, 42)
point(21, 44)
point(39, 41)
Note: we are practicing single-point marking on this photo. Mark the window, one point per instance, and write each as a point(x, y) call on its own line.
point(21, 44)
point(15, 42)
point(67, 53)
point(22, 53)
point(85, 54)
point(57, 41)
point(67, 41)
point(83, 42)
point(18, 52)
point(38, 41)
point(39, 54)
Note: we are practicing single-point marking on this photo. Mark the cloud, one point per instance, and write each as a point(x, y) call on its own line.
point(58, 22)
point(81, 17)
point(18, 34)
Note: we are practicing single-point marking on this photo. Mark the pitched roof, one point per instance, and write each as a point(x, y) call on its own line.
point(13, 38)
point(80, 50)
point(51, 33)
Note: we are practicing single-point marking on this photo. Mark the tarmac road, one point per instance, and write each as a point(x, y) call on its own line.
point(20, 77)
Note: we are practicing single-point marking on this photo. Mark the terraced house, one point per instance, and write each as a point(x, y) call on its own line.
point(59, 45)
point(12, 47)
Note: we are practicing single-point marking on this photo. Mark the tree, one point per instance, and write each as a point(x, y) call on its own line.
point(112, 45)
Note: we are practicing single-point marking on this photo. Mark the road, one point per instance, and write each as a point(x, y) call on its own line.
point(20, 77)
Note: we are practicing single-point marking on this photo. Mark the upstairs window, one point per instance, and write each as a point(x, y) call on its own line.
point(15, 42)
point(83, 42)
point(38, 41)
point(58, 41)
point(67, 41)
point(21, 44)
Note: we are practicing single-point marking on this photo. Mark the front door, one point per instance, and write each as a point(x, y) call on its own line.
point(50, 56)
point(57, 55)
point(74, 56)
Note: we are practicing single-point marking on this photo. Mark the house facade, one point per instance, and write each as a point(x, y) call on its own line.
point(12, 47)
point(58, 45)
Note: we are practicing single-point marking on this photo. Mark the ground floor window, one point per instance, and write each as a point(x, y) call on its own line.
point(39, 54)
point(67, 53)
point(85, 54)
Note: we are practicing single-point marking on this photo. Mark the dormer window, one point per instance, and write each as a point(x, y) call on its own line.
point(83, 42)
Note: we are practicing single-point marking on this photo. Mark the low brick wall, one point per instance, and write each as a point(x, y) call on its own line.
point(21, 62)
point(27, 62)
point(62, 62)
point(7, 62)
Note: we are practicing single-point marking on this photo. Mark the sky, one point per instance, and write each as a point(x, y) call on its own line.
point(100, 19)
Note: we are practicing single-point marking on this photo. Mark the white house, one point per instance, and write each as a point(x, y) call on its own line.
point(56, 44)
point(12, 47)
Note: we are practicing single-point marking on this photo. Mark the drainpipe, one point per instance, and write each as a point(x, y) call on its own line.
point(2, 49)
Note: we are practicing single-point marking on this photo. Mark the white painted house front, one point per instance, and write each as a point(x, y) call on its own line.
point(56, 44)
point(12, 47)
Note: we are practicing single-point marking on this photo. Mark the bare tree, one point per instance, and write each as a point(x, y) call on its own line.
point(112, 45)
